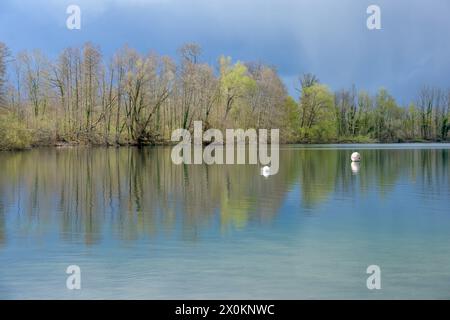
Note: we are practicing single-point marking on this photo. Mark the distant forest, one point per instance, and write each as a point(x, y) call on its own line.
point(135, 99)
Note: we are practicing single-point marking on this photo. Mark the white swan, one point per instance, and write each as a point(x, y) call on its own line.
point(265, 171)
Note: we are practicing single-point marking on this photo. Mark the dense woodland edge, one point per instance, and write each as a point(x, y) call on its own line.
point(134, 99)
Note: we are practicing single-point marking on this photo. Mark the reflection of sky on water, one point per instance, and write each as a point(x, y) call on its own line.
point(224, 232)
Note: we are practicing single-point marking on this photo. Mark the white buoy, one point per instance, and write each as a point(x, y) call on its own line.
point(356, 157)
point(265, 171)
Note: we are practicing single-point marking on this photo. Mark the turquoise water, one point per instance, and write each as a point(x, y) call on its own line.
point(140, 227)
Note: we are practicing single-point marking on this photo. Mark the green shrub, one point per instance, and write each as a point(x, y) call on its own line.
point(13, 133)
point(43, 131)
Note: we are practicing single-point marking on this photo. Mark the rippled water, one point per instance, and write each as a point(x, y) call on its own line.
point(140, 227)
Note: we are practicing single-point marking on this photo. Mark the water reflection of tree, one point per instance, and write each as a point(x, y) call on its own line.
point(131, 193)
point(2, 225)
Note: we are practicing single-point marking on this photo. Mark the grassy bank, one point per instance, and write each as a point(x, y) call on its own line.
point(15, 136)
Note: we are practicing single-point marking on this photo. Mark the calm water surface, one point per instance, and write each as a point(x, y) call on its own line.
point(140, 227)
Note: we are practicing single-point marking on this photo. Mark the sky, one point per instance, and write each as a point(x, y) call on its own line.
point(326, 37)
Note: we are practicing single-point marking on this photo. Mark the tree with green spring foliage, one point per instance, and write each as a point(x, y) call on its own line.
point(139, 99)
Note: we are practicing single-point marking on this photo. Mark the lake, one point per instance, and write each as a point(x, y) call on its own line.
point(140, 227)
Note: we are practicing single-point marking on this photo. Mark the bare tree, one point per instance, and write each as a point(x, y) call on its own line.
point(4, 55)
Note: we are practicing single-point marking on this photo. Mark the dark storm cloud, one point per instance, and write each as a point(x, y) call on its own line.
point(326, 37)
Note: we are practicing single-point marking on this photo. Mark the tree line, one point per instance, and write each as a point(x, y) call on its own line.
point(135, 99)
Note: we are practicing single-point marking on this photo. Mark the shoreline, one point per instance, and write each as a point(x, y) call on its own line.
point(60, 145)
